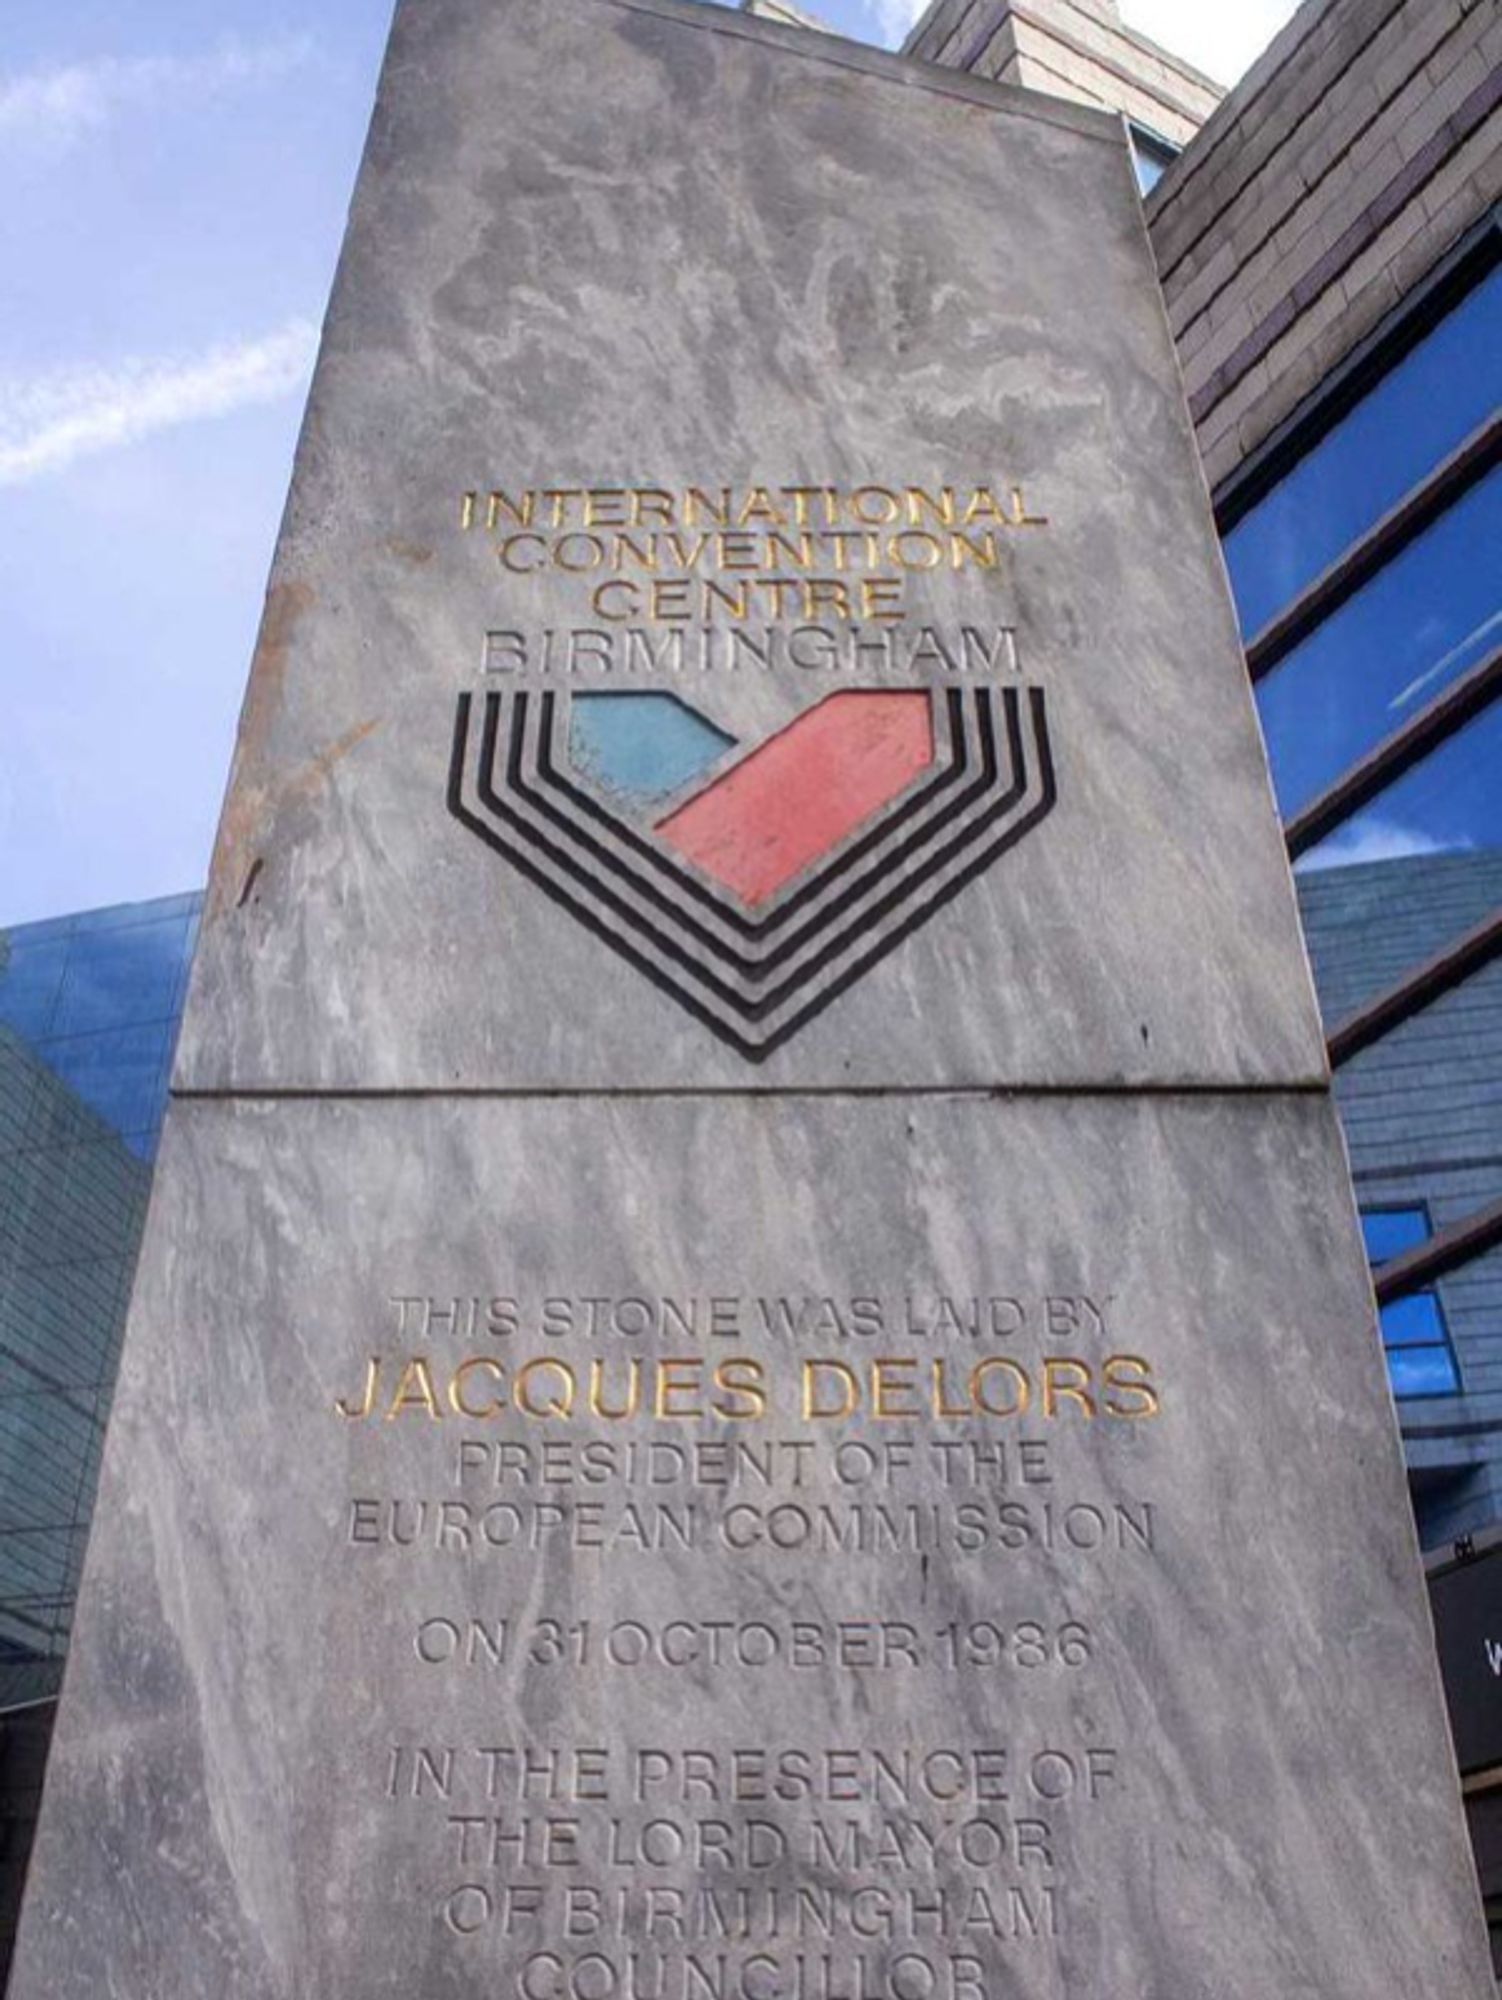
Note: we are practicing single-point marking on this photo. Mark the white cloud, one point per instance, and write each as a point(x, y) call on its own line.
point(49, 421)
point(1371, 840)
point(56, 107)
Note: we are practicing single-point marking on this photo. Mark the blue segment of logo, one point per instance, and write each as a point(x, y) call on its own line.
point(644, 746)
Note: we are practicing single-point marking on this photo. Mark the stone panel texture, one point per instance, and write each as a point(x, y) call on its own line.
point(1222, 1826)
point(561, 338)
point(753, 1374)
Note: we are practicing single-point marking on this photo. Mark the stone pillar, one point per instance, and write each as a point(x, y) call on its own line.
point(753, 1373)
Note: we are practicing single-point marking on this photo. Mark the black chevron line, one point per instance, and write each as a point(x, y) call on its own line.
point(757, 1051)
point(943, 896)
point(767, 1003)
point(519, 860)
point(757, 971)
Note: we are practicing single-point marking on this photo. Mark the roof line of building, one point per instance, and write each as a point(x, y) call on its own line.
point(813, 45)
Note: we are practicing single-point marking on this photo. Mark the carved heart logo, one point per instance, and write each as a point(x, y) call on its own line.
point(753, 884)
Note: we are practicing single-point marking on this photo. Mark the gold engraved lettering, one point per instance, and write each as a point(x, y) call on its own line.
point(699, 506)
point(875, 506)
point(881, 599)
point(651, 504)
point(477, 1364)
point(1066, 1381)
point(367, 1400)
point(558, 498)
point(1128, 1375)
point(510, 551)
point(600, 1407)
point(605, 507)
point(940, 505)
point(999, 1366)
point(759, 506)
point(561, 1402)
point(619, 591)
point(414, 1390)
point(823, 1379)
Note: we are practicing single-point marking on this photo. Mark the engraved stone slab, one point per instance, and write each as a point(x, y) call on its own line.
point(690, 381)
point(1005, 1596)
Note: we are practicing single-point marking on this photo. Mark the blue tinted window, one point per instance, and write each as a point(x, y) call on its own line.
point(1414, 417)
point(1451, 802)
point(120, 1074)
point(30, 977)
point(115, 978)
point(1388, 1232)
point(1433, 613)
point(1423, 1371)
point(96, 996)
point(1152, 157)
point(126, 916)
point(1413, 1322)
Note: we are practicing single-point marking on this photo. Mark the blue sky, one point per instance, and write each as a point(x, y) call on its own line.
point(176, 175)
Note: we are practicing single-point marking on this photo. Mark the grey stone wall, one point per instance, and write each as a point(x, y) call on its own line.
point(702, 1422)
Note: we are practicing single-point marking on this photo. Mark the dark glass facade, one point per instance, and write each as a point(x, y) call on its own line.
point(89, 1007)
point(1370, 594)
point(1425, 406)
point(97, 997)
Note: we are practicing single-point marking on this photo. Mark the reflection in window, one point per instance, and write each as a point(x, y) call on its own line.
point(1421, 623)
point(1449, 803)
point(1420, 1359)
point(96, 997)
point(1394, 438)
point(1152, 154)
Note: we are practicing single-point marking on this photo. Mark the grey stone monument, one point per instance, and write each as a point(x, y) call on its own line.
point(753, 1377)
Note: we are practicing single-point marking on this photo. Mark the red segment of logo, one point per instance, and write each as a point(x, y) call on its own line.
point(803, 791)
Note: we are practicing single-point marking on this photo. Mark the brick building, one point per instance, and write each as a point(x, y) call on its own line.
point(1328, 242)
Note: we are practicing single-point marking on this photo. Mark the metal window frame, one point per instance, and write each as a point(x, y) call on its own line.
point(1418, 1287)
point(1392, 340)
point(1448, 1250)
point(1470, 953)
point(1417, 1206)
point(1382, 543)
point(1449, 713)
point(1465, 266)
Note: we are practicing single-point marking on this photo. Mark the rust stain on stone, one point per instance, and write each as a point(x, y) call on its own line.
point(318, 769)
point(245, 807)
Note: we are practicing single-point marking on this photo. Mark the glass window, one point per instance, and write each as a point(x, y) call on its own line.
point(1449, 803)
point(1413, 1321)
point(1391, 1231)
point(1422, 1371)
point(30, 975)
point(121, 1074)
point(1432, 614)
point(1420, 1359)
point(1400, 431)
point(118, 977)
point(1153, 156)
